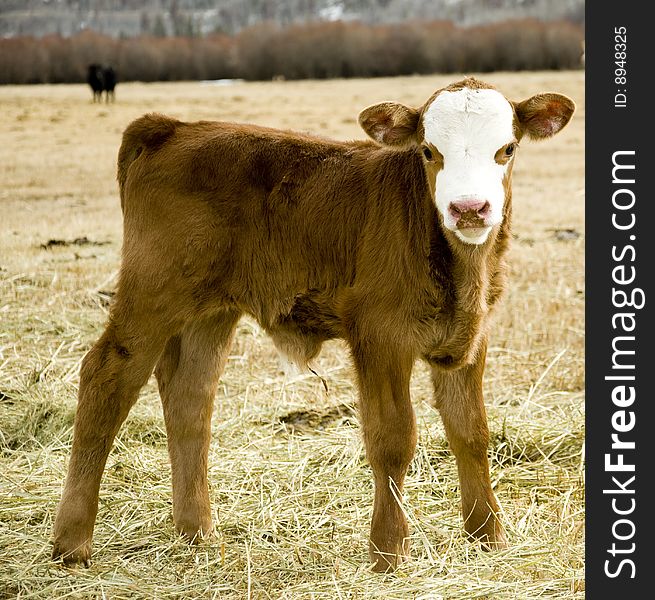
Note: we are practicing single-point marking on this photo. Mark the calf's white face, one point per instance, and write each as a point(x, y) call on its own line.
point(469, 128)
point(468, 133)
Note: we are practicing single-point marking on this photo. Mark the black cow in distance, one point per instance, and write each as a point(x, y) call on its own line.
point(101, 79)
point(109, 82)
point(94, 79)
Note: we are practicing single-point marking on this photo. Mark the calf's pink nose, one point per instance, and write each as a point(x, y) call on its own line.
point(469, 206)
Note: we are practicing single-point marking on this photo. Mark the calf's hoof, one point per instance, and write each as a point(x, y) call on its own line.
point(497, 542)
point(388, 561)
point(72, 553)
point(491, 537)
point(192, 533)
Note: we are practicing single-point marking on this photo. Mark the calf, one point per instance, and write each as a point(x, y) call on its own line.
point(396, 245)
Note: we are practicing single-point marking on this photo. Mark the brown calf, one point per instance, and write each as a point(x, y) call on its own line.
point(395, 246)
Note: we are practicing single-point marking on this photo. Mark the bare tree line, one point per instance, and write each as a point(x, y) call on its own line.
point(316, 50)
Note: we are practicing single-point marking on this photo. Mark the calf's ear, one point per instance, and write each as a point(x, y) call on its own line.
point(390, 123)
point(543, 115)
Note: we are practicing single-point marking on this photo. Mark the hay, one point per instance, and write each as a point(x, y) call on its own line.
point(291, 490)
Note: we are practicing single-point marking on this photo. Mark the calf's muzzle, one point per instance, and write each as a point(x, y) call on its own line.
point(469, 212)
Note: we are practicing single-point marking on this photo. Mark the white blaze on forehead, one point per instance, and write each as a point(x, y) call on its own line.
point(478, 117)
point(468, 127)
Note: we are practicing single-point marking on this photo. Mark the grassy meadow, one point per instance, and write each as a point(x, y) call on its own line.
point(290, 486)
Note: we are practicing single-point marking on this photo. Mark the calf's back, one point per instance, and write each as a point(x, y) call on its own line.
point(263, 220)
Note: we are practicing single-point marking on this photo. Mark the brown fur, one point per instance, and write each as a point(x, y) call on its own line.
point(316, 239)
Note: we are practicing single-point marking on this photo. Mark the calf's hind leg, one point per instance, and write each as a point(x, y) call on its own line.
point(112, 373)
point(458, 396)
point(188, 373)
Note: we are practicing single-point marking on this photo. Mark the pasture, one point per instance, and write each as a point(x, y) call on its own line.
point(291, 490)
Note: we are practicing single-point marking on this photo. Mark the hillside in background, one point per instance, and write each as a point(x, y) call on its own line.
point(130, 18)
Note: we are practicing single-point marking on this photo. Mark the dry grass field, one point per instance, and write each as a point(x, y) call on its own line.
point(290, 486)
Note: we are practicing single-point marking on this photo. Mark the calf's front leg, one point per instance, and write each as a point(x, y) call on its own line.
point(459, 399)
point(389, 429)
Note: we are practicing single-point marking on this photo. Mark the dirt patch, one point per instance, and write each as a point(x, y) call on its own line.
point(566, 235)
point(81, 241)
point(306, 421)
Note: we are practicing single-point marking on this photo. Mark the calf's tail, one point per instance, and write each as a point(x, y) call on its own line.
point(147, 133)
